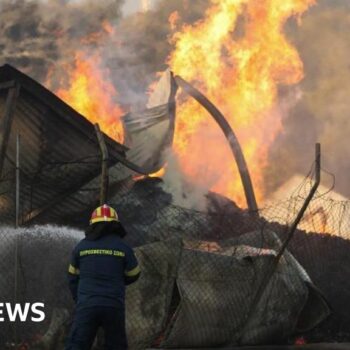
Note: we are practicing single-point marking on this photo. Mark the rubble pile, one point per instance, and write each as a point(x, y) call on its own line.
point(205, 267)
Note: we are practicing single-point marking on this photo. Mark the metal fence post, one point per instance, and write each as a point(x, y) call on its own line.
point(104, 174)
point(273, 265)
point(17, 225)
point(17, 178)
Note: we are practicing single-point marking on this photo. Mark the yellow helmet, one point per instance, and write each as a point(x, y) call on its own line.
point(103, 213)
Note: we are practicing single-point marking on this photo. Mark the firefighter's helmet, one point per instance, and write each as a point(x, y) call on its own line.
point(104, 213)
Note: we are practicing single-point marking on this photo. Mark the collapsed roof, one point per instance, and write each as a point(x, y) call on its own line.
point(60, 158)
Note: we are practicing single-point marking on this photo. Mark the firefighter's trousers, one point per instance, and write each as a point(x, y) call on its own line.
point(88, 320)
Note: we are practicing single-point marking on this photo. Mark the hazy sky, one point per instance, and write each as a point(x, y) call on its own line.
point(133, 5)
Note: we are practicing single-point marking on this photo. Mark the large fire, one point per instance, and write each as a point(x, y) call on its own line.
point(92, 95)
point(237, 55)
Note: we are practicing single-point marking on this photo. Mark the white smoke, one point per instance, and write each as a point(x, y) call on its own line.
point(186, 194)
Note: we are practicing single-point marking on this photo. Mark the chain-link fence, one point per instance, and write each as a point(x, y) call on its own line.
point(201, 271)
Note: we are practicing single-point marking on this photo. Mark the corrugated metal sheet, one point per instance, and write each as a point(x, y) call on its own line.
point(59, 152)
point(150, 132)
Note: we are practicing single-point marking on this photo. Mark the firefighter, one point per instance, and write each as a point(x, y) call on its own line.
point(102, 264)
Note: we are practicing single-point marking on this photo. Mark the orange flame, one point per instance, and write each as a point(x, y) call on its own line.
point(92, 94)
point(237, 55)
point(174, 19)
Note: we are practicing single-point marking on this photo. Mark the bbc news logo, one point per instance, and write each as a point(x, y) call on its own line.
point(22, 312)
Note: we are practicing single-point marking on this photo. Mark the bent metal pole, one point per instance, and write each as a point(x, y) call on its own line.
point(231, 138)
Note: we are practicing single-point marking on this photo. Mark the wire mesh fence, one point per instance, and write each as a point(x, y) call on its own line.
point(200, 270)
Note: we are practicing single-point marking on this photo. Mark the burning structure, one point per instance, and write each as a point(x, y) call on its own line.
point(60, 142)
point(209, 262)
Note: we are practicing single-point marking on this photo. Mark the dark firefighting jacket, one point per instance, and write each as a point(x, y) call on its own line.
point(99, 271)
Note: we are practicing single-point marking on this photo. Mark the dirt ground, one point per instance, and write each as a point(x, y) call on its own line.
point(320, 346)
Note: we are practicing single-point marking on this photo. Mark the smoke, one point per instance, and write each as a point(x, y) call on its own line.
point(322, 114)
point(41, 37)
point(144, 46)
point(184, 194)
point(37, 35)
